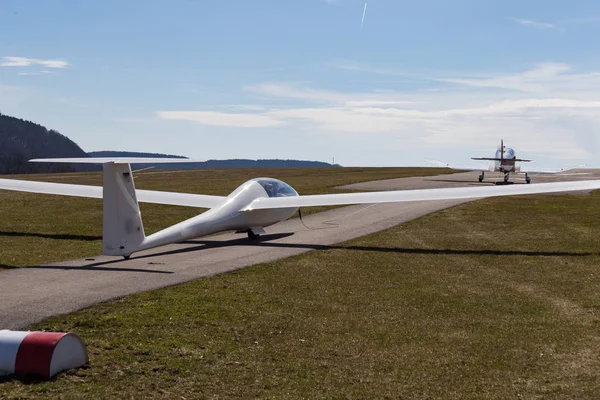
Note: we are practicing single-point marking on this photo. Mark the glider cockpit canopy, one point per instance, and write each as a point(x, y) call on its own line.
point(276, 188)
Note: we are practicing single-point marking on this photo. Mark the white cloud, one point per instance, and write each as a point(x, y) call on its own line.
point(510, 119)
point(283, 90)
point(214, 118)
point(244, 107)
point(550, 109)
point(307, 94)
point(377, 103)
point(43, 72)
point(537, 25)
point(545, 77)
point(376, 119)
point(10, 61)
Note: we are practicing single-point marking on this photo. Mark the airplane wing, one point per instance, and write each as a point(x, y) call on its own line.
point(418, 195)
point(143, 196)
point(462, 167)
point(499, 159)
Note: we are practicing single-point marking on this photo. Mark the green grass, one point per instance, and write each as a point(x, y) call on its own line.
point(493, 299)
point(37, 229)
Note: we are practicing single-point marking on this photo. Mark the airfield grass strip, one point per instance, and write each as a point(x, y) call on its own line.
point(37, 229)
point(492, 299)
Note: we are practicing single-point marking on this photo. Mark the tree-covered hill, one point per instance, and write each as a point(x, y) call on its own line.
point(22, 140)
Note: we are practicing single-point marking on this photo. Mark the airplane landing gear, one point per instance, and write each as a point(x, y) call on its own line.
point(527, 178)
point(253, 233)
point(506, 177)
point(481, 177)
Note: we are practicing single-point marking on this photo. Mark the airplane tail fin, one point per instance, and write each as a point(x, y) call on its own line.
point(122, 228)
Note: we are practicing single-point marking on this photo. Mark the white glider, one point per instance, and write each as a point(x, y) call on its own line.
point(256, 204)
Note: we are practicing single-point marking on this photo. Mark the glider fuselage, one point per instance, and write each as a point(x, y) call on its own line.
point(230, 215)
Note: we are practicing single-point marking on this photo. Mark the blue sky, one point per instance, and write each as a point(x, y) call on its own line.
point(288, 79)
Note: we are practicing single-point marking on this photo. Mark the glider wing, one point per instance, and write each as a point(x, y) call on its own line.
point(143, 196)
point(544, 170)
point(116, 160)
point(419, 195)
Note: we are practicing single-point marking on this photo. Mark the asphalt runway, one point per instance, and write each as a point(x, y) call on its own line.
point(28, 295)
point(463, 179)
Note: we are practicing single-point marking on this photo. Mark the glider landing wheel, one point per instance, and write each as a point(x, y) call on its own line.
point(527, 179)
point(505, 178)
point(252, 235)
point(126, 257)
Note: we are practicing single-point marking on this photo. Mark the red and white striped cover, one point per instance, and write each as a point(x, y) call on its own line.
point(42, 354)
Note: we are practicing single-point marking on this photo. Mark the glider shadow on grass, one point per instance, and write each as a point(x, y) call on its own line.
point(271, 241)
point(57, 236)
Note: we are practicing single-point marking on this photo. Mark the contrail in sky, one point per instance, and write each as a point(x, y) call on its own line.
point(363, 18)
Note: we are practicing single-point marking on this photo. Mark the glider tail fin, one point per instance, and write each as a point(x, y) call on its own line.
point(122, 228)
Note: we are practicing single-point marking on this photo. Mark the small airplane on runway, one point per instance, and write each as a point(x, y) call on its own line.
point(256, 204)
point(505, 161)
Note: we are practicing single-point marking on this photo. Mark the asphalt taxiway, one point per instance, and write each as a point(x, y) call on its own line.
point(28, 295)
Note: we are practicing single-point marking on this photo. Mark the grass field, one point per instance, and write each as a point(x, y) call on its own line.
point(493, 299)
point(37, 229)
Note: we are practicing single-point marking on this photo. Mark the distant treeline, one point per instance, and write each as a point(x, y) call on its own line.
point(214, 164)
point(22, 140)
